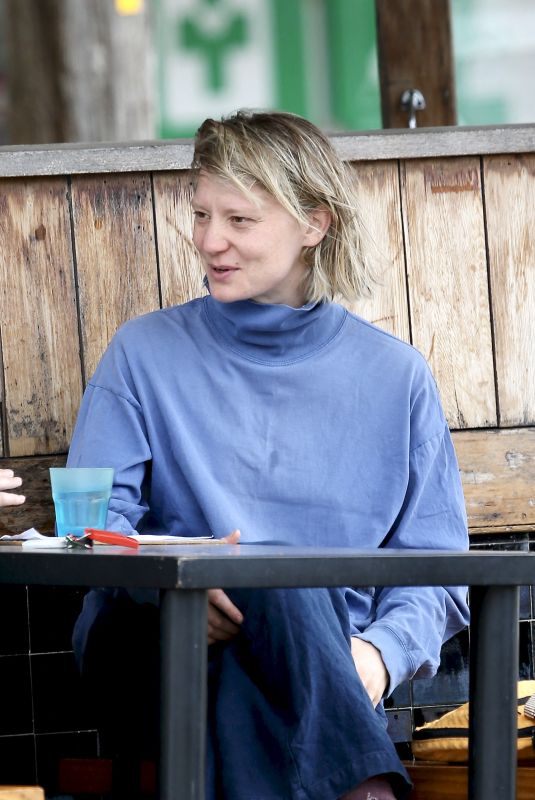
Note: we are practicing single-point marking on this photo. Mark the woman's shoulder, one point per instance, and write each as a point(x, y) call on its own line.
point(394, 363)
point(382, 341)
point(171, 318)
point(150, 342)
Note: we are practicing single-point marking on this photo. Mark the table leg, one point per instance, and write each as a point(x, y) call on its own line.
point(493, 692)
point(183, 694)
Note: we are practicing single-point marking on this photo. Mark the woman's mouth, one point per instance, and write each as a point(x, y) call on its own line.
point(223, 271)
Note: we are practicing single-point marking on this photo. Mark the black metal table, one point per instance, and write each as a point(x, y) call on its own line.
point(184, 573)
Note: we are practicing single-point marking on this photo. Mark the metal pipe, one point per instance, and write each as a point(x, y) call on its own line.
point(183, 621)
point(493, 692)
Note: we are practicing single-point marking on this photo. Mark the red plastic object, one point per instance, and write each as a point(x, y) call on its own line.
point(110, 537)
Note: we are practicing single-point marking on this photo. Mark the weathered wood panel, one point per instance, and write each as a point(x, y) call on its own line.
point(498, 475)
point(448, 287)
point(3, 420)
point(378, 191)
point(181, 270)
point(115, 256)
point(510, 203)
point(40, 347)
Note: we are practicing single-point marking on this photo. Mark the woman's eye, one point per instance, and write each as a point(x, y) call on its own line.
point(240, 220)
point(199, 216)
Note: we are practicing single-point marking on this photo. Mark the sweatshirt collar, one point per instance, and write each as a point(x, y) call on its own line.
point(274, 333)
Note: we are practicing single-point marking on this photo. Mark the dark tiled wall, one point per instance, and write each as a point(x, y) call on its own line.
point(43, 716)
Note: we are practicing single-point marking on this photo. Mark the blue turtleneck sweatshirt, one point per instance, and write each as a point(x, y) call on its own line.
point(308, 425)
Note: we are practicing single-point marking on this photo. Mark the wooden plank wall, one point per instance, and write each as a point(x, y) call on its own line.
point(79, 255)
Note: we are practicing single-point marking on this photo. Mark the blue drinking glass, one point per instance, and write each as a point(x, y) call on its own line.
point(81, 496)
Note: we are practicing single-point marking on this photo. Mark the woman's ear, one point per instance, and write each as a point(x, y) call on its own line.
point(319, 221)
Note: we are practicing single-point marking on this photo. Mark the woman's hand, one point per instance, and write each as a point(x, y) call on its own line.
point(224, 618)
point(370, 667)
point(9, 481)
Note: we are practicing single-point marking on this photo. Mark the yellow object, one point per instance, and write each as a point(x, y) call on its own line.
point(21, 793)
point(129, 7)
point(446, 739)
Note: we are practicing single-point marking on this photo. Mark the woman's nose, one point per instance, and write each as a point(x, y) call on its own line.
point(213, 239)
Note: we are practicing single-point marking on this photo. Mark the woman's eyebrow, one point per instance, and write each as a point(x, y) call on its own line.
point(241, 212)
point(230, 210)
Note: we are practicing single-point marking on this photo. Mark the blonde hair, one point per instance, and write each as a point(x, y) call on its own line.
point(295, 163)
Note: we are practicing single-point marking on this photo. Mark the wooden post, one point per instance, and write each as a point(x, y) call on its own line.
point(79, 71)
point(415, 52)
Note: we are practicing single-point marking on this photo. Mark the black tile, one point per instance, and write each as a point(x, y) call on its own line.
point(399, 725)
point(450, 684)
point(531, 626)
point(17, 760)
point(51, 748)
point(53, 612)
point(430, 714)
point(16, 706)
point(532, 547)
point(525, 651)
point(59, 702)
point(13, 620)
point(400, 697)
point(517, 542)
point(525, 603)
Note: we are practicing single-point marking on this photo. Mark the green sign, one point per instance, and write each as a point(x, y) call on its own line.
point(312, 57)
point(213, 47)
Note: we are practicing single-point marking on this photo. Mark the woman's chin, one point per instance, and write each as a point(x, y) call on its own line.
point(226, 294)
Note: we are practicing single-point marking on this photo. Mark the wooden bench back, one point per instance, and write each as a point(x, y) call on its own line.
point(91, 236)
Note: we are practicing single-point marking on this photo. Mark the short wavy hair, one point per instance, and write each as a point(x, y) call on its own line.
point(292, 160)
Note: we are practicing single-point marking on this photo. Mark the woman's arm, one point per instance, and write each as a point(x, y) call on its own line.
point(411, 623)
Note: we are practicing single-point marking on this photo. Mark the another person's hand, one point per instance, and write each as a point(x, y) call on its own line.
point(9, 481)
point(224, 618)
point(370, 667)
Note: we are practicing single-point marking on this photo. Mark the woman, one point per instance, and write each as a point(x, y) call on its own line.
point(9, 481)
point(267, 407)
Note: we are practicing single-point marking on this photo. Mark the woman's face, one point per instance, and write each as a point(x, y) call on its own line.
point(251, 246)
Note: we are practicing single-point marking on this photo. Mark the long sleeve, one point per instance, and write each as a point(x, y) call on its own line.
point(110, 431)
point(411, 623)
